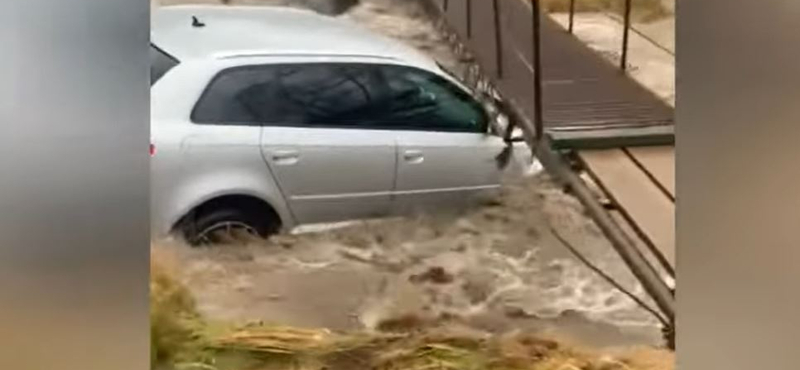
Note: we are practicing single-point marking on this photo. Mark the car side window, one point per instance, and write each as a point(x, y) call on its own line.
point(422, 100)
point(338, 95)
point(332, 95)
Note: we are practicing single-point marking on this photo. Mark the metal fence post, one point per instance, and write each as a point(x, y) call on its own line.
point(537, 71)
point(469, 19)
point(571, 15)
point(624, 59)
point(498, 39)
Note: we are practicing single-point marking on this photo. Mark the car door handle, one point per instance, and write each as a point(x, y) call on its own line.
point(285, 157)
point(413, 156)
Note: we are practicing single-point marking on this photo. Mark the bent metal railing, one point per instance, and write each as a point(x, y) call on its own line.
point(517, 46)
point(478, 29)
point(484, 30)
point(481, 25)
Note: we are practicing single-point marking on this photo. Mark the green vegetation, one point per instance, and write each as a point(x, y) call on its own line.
point(175, 326)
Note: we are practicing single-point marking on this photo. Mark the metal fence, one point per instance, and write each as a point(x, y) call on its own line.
point(553, 78)
point(629, 25)
point(503, 36)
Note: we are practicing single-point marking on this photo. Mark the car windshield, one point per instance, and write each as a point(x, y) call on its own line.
point(160, 63)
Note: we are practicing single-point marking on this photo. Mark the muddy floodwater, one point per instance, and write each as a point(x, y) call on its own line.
point(495, 268)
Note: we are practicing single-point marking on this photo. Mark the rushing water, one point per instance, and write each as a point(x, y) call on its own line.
point(494, 268)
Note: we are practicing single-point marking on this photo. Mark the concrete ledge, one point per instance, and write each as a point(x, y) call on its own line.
point(613, 137)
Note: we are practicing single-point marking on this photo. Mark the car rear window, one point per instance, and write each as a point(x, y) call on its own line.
point(160, 63)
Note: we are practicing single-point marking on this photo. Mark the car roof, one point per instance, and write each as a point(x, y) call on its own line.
point(235, 31)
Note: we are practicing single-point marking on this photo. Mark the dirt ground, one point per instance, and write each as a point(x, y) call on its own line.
point(497, 268)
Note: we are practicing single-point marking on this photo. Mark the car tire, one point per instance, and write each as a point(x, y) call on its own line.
point(228, 226)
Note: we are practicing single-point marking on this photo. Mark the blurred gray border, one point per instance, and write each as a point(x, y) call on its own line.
point(738, 171)
point(74, 179)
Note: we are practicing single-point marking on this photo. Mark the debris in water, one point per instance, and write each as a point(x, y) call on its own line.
point(358, 255)
point(519, 313)
point(436, 275)
point(403, 323)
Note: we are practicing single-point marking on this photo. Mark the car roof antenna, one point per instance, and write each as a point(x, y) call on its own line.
point(196, 22)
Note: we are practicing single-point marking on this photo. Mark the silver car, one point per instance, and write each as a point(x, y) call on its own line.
point(266, 118)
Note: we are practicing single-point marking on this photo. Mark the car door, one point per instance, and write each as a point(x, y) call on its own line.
point(445, 155)
point(329, 163)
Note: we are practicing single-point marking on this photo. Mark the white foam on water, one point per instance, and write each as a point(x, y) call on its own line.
point(544, 289)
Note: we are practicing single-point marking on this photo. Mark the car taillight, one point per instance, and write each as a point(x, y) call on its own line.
point(152, 150)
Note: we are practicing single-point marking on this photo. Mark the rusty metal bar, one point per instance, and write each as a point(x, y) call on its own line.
point(625, 32)
point(644, 272)
point(469, 19)
point(537, 70)
point(498, 39)
point(571, 15)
